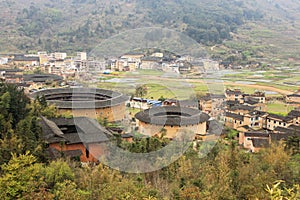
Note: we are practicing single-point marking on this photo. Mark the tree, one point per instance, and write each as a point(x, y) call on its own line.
point(277, 192)
point(20, 176)
point(141, 91)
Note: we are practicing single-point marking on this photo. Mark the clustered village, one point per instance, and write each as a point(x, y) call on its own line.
point(48, 76)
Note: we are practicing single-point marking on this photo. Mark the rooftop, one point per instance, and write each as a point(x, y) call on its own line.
point(42, 77)
point(234, 116)
point(260, 143)
point(73, 131)
point(256, 134)
point(241, 107)
point(279, 117)
point(82, 98)
point(172, 115)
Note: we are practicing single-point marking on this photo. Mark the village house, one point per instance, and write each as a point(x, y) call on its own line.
point(234, 95)
point(58, 55)
point(295, 115)
point(151, 63)
point(258, 144)
point(233, 120)
point(273, 121)
point(254, 140)
point(22, 61)
point(240, 116)
point(260, 96)
point(79, 138)
point(281, 133)
point(294, 98)
point(259, 105)
point(213, 104)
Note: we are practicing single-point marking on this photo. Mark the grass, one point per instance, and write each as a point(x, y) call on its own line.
point(279, 108)
point(133, 111)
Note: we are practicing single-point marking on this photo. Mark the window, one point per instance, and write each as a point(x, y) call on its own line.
point(240, 122)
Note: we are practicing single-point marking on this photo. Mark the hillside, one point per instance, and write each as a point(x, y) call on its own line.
point(72, 25)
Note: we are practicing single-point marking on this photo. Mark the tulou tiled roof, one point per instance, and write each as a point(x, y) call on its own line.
point(82, 98)
point(83, 130)
point(42, 77)
point(172, 116)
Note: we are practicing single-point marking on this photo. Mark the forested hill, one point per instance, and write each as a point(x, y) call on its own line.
point(70, 25)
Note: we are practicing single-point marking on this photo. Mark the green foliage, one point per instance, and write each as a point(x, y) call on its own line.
point(277, 192)
point(141, 91)
point(228, 173)
point(19, 128)
point(57, 173)
point(13, 103)
point(20, 176)
point(50, 25)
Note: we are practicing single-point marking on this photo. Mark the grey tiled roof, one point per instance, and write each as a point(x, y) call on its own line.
point(82, 98)
point(42, 77)
point(256, 134)
point(86, 131)
point(260, 142)
point(241, 107)
point(234, 116)
point(172, 115)
point(294, 113)
point(26, 58)
point(283, 118)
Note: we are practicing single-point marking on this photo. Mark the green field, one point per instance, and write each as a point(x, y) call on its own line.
point(170, 87)
point(279, 108)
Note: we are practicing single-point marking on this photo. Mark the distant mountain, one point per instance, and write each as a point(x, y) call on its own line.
point(73, 25)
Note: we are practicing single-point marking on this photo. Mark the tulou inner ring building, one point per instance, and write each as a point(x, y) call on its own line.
point(172, 120)
point(87, 102)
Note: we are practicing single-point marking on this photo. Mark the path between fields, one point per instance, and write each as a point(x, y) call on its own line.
point(259, 87)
